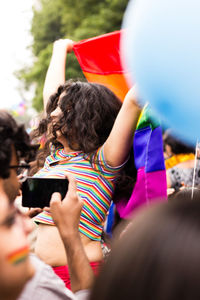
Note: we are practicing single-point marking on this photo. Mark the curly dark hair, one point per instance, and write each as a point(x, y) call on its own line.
point(88, 114)
point(12, 134)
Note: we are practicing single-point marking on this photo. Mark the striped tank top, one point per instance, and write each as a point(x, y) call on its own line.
point(95, 184)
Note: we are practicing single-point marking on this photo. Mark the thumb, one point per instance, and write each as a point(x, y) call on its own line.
point(55, 205)
point(55, 200)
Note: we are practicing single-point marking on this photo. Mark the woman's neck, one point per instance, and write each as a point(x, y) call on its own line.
point(67, 149)
point(65, 145)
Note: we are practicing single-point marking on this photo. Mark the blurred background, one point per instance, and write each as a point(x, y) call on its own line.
point(28, 30)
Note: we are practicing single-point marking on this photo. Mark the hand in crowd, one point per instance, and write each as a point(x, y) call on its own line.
point(66, 212)
point(31, 213)
point(66, 216)
point(65, 44)
point(134, 96)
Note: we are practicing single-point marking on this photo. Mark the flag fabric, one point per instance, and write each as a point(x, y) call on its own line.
point(151, 181)
point(99, 58)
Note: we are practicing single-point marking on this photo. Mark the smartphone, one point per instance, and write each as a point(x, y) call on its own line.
point(37, 192)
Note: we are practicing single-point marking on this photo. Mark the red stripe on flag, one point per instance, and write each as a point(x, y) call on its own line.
point(100, 55)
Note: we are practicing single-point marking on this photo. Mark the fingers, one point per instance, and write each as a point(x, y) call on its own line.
point(72, 187)
point(70, 45)
point(55, 207)
point(55, 200)
point(66, 44)
point(72, 194)
point(66, 212)
point(33, 212)
point(46, 208)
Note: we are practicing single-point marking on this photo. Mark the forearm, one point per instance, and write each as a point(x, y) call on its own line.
point(119, 142)
point(56, 73)
point(81, 274)
point(66, 215)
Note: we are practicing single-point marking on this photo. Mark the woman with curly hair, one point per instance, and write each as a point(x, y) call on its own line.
point(79, 125)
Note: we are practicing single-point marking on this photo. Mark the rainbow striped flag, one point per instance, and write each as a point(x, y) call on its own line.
point(99, 58)
point(151, 184)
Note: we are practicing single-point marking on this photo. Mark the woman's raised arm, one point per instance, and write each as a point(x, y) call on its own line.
point(56, 72)
point(119, 142)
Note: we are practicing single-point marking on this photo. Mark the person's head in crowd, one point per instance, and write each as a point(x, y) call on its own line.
point(82, 114)
point(14, 146)
point(173, 146)
point(15, 266)
point(157, 257)
point(187, 194)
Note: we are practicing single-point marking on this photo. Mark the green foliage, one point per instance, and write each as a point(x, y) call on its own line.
point(46, 25)
point(75, 19)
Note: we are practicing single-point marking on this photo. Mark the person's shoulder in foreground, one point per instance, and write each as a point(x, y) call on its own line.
point(47, 285)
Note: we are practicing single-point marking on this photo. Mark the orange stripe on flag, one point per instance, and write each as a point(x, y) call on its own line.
point(100, 61)
point(115, 82)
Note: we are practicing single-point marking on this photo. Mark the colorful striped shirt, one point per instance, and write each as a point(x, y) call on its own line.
point(95, 184)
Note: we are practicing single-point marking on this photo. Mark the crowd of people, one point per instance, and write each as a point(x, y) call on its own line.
point(89, 137)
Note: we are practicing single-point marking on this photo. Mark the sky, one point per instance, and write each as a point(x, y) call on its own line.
point(15, 23)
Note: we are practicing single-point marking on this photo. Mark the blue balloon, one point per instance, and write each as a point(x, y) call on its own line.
point(161, 47)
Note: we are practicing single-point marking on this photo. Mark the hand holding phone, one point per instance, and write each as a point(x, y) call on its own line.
point(66, 213)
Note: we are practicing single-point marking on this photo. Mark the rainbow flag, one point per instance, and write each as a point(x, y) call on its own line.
point(151, 181)
point(99, 58)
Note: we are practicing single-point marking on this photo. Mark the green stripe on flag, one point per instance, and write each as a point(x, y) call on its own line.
point(148, 118)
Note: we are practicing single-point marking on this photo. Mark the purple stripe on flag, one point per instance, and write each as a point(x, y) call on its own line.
point(149, 187)
point(152, 140)
point(141, 140)
point(155, 159)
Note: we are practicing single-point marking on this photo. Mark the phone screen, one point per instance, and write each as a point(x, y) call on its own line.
point(37, 192)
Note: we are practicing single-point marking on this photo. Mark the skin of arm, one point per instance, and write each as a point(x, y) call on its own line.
point(120, 140)
point(66, 215)
point(56, 72)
